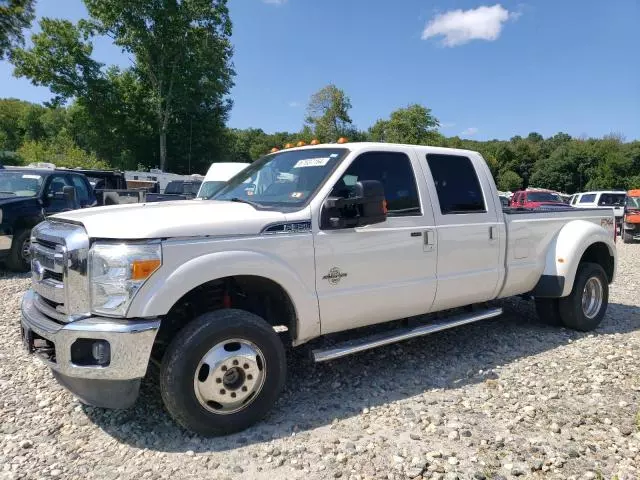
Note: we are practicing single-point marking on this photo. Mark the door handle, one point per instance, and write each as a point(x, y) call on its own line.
point(428, 237)
point(429, 240)
point(416, 234)
point(492, 233)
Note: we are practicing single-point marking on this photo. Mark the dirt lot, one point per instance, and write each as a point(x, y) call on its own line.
point(499, 399)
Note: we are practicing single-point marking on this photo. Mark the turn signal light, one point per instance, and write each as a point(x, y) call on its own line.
point(142, 269)
point(342, 140)
point(288, 145)
point(274, 150)
point(300, 144)
point(315, 141)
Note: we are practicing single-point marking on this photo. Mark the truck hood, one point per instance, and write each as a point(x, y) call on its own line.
point(184, 218)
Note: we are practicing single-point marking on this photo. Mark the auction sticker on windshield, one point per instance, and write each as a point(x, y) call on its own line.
point(312, 162)
point(35, 177)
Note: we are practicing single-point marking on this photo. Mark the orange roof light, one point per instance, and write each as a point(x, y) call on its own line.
point(288, 145)
point(315, 141)
point(274, 150)
point(342, 140)
point(300, 144)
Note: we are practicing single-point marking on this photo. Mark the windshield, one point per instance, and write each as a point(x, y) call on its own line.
point(543, 197)
point(285, 179)
point(633, 202)
point(210, 188)
point(612, 199)
point(19, 184)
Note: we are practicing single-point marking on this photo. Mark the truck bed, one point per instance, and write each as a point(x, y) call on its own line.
point(529, 233)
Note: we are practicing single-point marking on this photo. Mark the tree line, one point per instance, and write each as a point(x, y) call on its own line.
point(169, 108)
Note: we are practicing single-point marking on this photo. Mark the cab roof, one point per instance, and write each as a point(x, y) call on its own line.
point(356, 146)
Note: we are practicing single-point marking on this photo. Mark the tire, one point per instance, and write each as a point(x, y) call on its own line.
point(17, 260)
point(190, 373)
point(626, 237)
point(572, 312)
point(548, 311)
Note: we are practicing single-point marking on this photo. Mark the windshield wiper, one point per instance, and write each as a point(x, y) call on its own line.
point(248, 202)
point(10, 193)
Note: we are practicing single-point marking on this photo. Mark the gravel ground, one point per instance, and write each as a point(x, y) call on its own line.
point(501, 399)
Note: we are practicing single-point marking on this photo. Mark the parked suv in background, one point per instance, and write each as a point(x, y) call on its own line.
point(536, 199)
point(27, 196)
point(604, 199)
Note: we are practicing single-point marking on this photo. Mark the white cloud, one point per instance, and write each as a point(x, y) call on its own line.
point(462, 26)
point(275, 2)
point(294, 104)
point(469, 132)
point(447, 124)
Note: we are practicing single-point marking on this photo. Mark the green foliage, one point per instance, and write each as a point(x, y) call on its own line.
point(414, 125)
point(509, 181)
point(15, 16)
point(328, 114)
point(61, 151)
point(176, 88)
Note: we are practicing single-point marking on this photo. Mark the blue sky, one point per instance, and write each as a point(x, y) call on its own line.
point(487, 70)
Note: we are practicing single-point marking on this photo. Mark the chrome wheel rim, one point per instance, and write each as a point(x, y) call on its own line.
point(229, 376)
point(592, 297)
point(25, 250)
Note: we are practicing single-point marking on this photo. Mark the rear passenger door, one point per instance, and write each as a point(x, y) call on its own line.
point(467, 230)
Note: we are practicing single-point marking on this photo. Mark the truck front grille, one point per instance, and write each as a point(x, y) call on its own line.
point(59, 270)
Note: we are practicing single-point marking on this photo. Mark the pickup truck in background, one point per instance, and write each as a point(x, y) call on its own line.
point(27, 196)
point(606, 200)
point(329, 238)
point(537, 198)
point(176, 190)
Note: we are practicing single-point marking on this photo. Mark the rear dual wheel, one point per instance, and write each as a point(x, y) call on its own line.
point(584, 308)
point(223, 372)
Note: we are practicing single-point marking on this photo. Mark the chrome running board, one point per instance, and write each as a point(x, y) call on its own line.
point(386, 338)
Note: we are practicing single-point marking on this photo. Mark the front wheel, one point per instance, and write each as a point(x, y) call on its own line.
point(223, 372)
point(586, 305)
point(19, 259)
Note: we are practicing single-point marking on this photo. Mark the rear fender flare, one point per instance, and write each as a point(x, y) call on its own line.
point(567, 248)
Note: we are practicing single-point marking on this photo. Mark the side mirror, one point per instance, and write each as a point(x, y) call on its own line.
point(366, 206)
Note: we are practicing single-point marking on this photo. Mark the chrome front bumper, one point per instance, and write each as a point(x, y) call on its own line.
point(130, 343)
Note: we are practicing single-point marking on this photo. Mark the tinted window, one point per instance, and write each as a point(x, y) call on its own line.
point(588, 198)
point(54, 191)
point(612, 199)
point(81, 189)
point(457, 184)
point(174, 188)
point(393, 170)
point(543, 197)
point(574, 199)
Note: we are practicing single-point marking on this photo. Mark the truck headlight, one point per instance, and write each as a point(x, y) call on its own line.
point(116, 273)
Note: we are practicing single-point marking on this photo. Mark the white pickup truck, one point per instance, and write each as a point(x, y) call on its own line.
point(303, 243)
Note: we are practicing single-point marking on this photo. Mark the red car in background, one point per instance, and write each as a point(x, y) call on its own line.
point(536, 199)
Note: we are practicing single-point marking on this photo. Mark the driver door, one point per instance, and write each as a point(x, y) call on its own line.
point(379, 272)
point(54, 201)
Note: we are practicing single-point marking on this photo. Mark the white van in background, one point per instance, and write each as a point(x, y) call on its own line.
point(217, 175)
point(605, 199)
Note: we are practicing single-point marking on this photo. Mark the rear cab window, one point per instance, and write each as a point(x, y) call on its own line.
point(612, 199)
point(457, 184)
